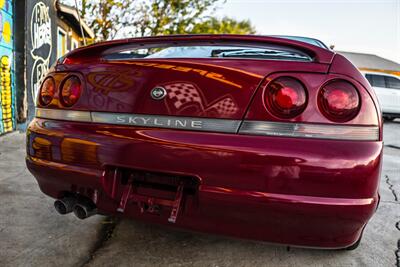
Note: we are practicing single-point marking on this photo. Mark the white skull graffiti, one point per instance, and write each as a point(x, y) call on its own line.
point(41, 41)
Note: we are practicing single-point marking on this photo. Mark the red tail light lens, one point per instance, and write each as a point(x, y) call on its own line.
point(339, 101)
point(286, 97)
point(66, 61)
point(71, 91)
point(46, 93)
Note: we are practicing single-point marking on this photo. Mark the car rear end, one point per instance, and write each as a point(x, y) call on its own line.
point(255, 137)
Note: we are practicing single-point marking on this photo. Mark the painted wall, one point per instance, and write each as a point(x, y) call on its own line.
point(40, 40)
point(25, 62)
point(42, 24)
point(7, 88)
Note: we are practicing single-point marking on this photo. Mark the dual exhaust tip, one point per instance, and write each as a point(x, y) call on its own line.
point(82, 208)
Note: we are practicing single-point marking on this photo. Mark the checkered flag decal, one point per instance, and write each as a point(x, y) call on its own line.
point(224, 107)
point(183, 93)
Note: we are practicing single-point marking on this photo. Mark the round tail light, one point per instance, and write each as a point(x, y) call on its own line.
point(71, 91)
point(339, 101)
point(46, 93)
point(286, 97)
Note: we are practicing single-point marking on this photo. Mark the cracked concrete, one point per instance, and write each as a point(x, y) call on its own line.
point(397, 252)
point(106, 232)
point(392, 174)
point(387, 180)
point(397, 225)
point(31, 233)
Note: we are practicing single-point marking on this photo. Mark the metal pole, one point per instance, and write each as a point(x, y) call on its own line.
point(80, 23)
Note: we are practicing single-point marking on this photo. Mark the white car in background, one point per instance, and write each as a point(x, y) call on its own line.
point(387, 89)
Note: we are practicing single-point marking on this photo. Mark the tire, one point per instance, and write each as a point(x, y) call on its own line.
point(355, 245)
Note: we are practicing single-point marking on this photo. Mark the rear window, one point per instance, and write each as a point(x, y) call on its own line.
point(211, 51)
point(308, 40)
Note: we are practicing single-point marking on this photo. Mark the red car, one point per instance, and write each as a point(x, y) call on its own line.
point(256, 137)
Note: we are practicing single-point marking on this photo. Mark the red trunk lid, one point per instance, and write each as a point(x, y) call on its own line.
point(212, 87)
point(195, 88)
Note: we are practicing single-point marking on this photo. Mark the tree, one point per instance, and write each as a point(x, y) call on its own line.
point(224, 25)
point(108, 18)
point(159, 17)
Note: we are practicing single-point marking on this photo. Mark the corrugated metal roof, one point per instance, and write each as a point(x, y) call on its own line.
point(369, 61)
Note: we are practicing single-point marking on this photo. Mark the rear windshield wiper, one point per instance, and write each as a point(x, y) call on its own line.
point(263, 53)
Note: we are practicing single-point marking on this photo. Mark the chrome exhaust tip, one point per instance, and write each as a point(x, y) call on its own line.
point(65, 205)
point(84, 210)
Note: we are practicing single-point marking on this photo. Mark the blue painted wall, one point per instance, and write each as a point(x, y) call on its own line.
point(7, 88)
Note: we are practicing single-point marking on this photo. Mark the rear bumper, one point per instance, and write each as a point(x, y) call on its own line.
point(316, 193)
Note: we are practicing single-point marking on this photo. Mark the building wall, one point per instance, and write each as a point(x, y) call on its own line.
point(19, 60)
point(71, 36)
point(28, 47)
point(42, 39)
point(7, 66)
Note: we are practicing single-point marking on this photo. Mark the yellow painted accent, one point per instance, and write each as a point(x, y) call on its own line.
point(380, 70)
point(2, 3)
point(7, 32)
point(211, 75)
point(5, 62)
point(5, 94)
point(223, 67)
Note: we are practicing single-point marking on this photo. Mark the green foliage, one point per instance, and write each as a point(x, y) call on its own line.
point(160, 17)
point(157, 17)
point(224, 25)
point(107, 17)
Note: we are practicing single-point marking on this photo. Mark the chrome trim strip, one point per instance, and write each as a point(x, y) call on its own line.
point(306, 130)
point(171, 122)
point(282, 129)
point(65, 115)
point(155, 121)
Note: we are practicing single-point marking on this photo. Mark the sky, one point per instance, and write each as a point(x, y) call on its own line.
point(368, 26)
point(365, 26)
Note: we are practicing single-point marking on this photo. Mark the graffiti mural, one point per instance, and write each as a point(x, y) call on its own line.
point(41, 45)
point(41, 48)
point(7, 90)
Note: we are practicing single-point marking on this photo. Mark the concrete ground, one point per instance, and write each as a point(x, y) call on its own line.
point(32, 234)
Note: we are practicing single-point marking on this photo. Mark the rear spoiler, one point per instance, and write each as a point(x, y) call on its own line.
point(318, 54)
